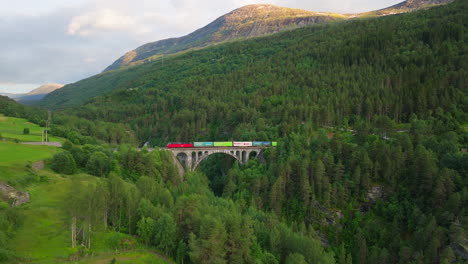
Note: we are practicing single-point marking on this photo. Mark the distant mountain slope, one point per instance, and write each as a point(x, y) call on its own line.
point(45, 89)
point(417, 4)
point(34, 95)
point(245, 22)
point(407, 6)
point(37, 94)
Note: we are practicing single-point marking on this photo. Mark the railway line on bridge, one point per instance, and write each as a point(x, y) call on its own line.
point(190, 158)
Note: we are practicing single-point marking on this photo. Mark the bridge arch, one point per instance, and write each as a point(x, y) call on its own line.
point(192, 157)
point(204, 157)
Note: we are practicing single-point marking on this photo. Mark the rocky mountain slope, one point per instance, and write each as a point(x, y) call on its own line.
point(418, 4)
point(245, 22)
point(407, 6)
point(251, 21)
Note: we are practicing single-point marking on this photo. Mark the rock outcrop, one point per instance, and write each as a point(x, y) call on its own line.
point(13, 196)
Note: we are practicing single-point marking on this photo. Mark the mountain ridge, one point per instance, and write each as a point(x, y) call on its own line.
point(251, 21)
point(245, 22)
point(35, 94)
point(45, 89)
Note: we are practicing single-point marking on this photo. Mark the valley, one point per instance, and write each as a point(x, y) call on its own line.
point(337, 140)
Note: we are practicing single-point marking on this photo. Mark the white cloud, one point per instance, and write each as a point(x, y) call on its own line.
point(89, 60)
point(101, 20)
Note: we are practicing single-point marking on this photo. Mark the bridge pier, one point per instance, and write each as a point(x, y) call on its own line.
point(194, 156)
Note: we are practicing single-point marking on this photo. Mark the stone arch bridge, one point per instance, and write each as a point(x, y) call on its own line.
point(190, 158)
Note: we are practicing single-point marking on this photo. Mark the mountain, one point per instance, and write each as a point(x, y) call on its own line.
point(245, 22)
point(34, 95)
point(417, 4)
point(407, 6)
point(251, 21)
point(38, 93)
point(11, 95)
point(45, 89)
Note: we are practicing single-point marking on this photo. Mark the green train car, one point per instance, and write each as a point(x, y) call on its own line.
point(223, 144)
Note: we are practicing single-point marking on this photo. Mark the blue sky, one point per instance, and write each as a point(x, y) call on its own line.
point(56, 41)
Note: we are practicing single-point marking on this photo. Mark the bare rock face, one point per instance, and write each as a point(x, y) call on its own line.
point(373, 195)
point(415, 4)
point(13, 196)
point(410, 5)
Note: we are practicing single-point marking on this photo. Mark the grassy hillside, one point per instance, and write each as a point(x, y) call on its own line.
point(44, 236)
point(268, 87)
point(12, 128)
point(138, 206)
point(41, 233)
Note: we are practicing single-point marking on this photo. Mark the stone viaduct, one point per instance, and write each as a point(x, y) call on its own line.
point(190, 158)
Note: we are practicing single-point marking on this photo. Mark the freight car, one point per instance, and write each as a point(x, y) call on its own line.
point(222, 144)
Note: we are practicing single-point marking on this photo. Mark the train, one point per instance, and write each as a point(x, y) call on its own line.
point(222, 144)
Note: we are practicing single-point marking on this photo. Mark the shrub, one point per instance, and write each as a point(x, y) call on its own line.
point(98, 164)
point(67, 145)
point(63, 162)
point(26, 131)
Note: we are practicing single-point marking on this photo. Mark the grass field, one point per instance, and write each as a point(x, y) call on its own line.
point(15, 153)
point(44, 235)
point(15, 157)
point(11, 127)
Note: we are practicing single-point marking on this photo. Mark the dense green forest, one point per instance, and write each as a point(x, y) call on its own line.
point(268, 87)
point(371, 164)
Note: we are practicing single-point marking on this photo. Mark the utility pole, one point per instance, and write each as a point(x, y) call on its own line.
point(45, 133)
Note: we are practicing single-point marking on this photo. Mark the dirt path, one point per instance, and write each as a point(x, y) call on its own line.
point(53, 143)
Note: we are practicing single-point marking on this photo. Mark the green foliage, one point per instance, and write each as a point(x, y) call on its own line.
point(79, 130)
point(98, 164)
point(295, 258)
point(145, 229)
point(10, 220)
point(67, 145)
point(63, 162)
point(165, 234)
point(374, 70)
point(26, 131)
point(375, 190)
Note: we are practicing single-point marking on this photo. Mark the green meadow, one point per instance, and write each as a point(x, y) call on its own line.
point(44, 235)
point(12, 128)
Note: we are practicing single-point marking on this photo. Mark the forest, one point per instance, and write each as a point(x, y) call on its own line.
point(371, 165)
point(262, 89)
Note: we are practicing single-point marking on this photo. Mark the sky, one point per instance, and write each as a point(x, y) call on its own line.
point(56, 41)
